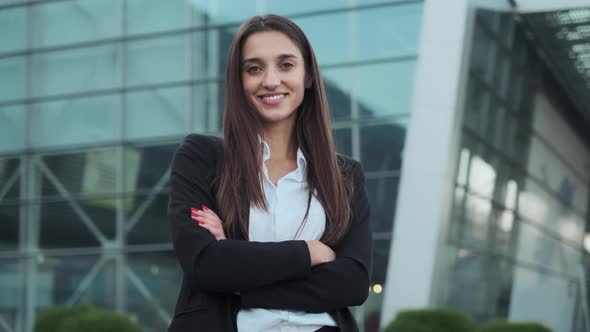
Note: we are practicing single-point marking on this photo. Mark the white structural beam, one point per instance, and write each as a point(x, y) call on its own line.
point(430, 151)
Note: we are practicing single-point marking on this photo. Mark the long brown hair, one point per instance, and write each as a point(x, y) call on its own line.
point(240, 182)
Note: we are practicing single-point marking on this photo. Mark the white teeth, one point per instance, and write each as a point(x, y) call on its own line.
point(275, 97)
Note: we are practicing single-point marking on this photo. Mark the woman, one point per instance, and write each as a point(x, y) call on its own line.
point(258, 250)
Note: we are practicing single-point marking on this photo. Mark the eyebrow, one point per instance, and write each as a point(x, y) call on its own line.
point(281, 57)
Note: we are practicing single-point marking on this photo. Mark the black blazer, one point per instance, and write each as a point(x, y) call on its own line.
point(270, 275)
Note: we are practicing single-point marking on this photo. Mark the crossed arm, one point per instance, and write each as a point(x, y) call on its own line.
point(271, 275)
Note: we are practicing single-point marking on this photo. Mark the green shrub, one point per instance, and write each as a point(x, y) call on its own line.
point(502, 326)
point(99, 320)
point(50, 319)
point(431, 320)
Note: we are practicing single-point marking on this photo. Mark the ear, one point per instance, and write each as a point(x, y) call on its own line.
point(308, 81)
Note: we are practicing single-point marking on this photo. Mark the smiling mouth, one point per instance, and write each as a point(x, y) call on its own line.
point(273, 99)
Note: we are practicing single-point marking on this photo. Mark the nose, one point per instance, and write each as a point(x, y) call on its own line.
point(271, 79)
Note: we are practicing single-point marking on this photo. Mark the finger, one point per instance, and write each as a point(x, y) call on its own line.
point(212, 225)
point(208, 215)
point(210, 212)
point(218, 234)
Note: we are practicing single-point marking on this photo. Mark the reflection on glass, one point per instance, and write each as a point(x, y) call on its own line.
point(12, 278)
point(92, 172)
point(382, 194)
point(13, 29)
point(153, 281)
point(52, 22)
point(9, 179)
point(13, 78)
point(157, 112)
point(84, 120)
point(72, 224)
point(379, 90)
point(144, 16)
point(146, 220)
point(12, 126)
point(482, 177)
point(350, 36)
point(207, 107)
point(381, 147)
point(9, 227)
point(343, 141)
point(157, 60)
point(75, 280)
point(154, 162)
point(77, 70)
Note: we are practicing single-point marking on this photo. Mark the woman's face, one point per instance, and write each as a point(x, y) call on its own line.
point(273, 76)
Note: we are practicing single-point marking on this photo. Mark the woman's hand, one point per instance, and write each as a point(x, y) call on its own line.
point(319, 252)
point(210, 221)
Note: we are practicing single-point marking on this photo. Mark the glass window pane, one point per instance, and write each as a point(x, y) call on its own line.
point(382, 194)
point(13, 78)
point(76, 70)
point(304, 6)
point(157, 273)
point(343, 141)
point(157, 112)
point(378, 90)
point(9, 179)
point(87, 173)
point(144, 16)
point(145, 216)
point(75, 121)
point(365, 34)
point(224, 11)
point(153, 164)
point(12, 279)
point(12, 127)
point(381, 147)
point(9, 227)
point(13, 29)
point(157, 60)
point(52, 22)
point(207, 109)
point(76, 223)
point(209, 52)
point(75, 279)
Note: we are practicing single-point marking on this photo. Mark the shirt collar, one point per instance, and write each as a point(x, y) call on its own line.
point(301, 161)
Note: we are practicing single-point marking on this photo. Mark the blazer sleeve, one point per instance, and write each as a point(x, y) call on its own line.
point(341, 283)
point(225, 265)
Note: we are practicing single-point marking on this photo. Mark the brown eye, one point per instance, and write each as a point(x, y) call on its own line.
point(253, 69)
point(287, 65)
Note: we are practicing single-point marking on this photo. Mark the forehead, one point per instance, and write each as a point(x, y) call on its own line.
point(269, 44)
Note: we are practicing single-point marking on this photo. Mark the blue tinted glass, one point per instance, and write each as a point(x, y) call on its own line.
point(13, 29)
point(365, 34)
point(63, 22)
point(12, 78)
point(223, 11)
point(157, 112)
point(379, 90)
point(157, 60)
point(75, 70)
point(12, 127)
point(381, 146)
point(207, 101)
point(143, 16)
point(74, 121)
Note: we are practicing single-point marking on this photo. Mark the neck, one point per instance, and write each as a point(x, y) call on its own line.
point(281, 141)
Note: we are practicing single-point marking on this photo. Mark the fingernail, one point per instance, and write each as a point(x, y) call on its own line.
point(201, 223)
point(205, 207)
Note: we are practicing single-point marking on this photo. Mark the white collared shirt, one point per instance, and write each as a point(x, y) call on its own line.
point(287, 203)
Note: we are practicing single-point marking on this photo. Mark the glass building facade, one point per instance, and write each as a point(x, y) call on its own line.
point(95, 96)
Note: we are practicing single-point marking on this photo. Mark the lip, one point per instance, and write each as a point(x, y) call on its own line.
point(271, 102)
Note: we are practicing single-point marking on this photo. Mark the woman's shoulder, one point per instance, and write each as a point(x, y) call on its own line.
point(349, 167)
point(202, 144)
